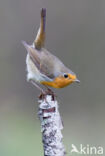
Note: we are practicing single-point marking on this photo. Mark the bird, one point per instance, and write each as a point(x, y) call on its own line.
point(44, 68)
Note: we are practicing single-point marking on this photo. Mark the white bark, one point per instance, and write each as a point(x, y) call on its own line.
point(51, 126)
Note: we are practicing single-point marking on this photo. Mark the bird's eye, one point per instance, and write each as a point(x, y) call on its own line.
point(65, 75)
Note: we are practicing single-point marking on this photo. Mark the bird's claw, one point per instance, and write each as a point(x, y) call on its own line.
point(47, 92)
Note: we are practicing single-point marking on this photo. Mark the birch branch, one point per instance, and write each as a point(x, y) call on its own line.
point(51, 126)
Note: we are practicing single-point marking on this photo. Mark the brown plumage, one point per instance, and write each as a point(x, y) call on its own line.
point(42, 66)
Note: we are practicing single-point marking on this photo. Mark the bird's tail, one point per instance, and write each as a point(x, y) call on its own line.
point(40, 38)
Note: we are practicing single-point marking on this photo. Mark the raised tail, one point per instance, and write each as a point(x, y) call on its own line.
point(40, 38)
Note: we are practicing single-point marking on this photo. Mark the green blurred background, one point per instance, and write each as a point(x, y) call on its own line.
point(76, 34)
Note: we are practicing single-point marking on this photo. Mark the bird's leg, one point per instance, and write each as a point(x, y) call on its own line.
point(48, 89)
point(43, 93)
point(33, 82)
point(50, 92)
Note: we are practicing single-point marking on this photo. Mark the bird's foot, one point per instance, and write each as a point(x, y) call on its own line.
point(47, 92)
point(50, 92)
point(42, 95)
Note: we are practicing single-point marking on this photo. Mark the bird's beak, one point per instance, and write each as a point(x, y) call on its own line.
point(76, 80)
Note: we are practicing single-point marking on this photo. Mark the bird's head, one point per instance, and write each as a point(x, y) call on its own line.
point(65, 79)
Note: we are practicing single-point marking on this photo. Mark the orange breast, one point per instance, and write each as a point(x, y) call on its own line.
point(59, 82)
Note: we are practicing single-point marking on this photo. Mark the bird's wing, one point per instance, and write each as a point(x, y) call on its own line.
point(48, 64)
point(44, 61)
point(34, 55)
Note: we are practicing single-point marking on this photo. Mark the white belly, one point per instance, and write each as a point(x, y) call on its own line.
point(32, 71)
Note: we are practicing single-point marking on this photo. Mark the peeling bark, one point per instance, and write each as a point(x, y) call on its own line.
point(51, 126)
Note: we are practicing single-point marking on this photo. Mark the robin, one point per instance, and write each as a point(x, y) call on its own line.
point(42, 66)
